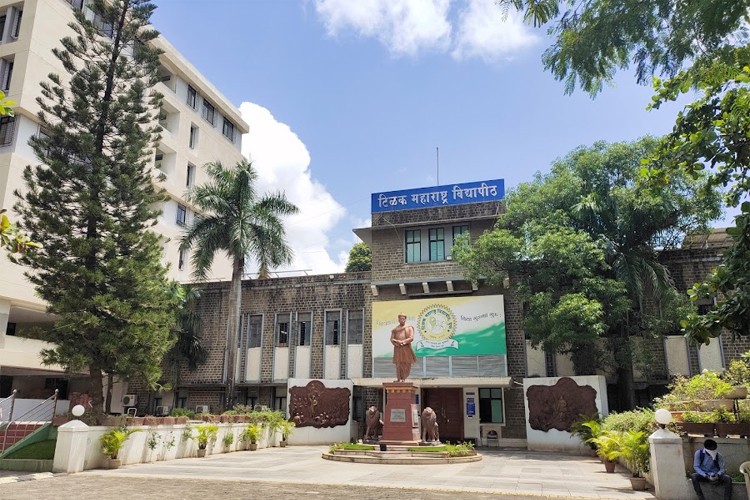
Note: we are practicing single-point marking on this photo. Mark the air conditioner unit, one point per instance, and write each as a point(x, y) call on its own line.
point(202, 409)
point(129, 400)
point(162, 411)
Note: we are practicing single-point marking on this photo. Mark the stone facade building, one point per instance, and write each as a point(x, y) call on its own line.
point(336, 326)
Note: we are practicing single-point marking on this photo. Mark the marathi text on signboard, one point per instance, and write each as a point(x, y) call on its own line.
point(454, 194)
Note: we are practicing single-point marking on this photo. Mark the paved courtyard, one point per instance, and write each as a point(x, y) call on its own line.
point(277, 473)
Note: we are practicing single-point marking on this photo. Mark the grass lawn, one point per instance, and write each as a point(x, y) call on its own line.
point(43, 450)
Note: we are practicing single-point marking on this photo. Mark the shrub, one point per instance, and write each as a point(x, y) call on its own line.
point(182, 412)
point(640, 419)
point(460, 449)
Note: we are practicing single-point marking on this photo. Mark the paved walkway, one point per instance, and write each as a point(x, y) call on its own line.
point(299, 470)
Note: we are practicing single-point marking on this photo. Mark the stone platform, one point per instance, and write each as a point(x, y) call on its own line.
point(398, 455)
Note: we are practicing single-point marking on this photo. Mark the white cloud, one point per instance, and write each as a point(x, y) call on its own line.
point(282, 161)
point(486, 32)
point(404, 26)
point(480, 29)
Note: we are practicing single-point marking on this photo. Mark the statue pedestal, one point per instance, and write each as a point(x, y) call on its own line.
point(401, 419)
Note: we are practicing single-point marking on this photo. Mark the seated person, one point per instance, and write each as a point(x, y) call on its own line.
point(709, 467)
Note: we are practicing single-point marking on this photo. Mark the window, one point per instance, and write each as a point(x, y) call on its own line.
point(6, 73)
point(181, 259)
point(192, 97)
point(3, 20)
point(209, 112)
point(193, 140)
point(10, 329)
point(7, 127)
point(104, 27)
point(333, 326)
point(228, 130)
point(181, 214)
point(43, 135)
point(304, 328)
point(254, 330)
point(354, 327)
point(491, 405)
point(279, 399)
point(413, 246)
point(190, 175)
point(76, 4)
point(282, 330)
point(461, 230)
point(437, 244)
point(16, 26)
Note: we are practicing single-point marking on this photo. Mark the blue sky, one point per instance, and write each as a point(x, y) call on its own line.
point(349, 97)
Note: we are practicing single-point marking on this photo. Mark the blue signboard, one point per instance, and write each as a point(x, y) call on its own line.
point(471, 407)
point(438, 196)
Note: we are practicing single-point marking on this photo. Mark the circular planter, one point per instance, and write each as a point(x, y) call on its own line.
point(609, 466)
point(113, 463)
point(201, 452)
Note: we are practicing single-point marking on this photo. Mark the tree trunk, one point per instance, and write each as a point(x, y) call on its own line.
point(235, 305)
point(108, 403)
point(95, 389)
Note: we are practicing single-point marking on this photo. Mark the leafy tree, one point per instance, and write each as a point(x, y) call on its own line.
point(91, 200)
point(360, 258)
point(701, 46)
point(188, 347)
point(579, 244)
point(235, 220)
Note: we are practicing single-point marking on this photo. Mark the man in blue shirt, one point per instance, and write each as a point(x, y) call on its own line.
point(709, 466)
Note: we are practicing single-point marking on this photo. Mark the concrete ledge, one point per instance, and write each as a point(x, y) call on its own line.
point(26, 465)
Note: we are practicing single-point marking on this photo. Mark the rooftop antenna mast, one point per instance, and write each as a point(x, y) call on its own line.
point(437, 161)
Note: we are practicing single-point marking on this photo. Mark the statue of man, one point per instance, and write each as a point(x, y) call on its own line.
point(403, 355)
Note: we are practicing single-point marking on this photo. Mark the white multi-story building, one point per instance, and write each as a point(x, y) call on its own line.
point(200, 126)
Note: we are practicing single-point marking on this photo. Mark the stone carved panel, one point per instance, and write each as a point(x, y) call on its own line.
point(316, 405)
point(559, 406)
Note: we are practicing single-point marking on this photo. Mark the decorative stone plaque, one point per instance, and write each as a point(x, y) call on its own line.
point(398, 415)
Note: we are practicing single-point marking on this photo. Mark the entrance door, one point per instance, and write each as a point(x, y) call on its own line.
point(446, 403)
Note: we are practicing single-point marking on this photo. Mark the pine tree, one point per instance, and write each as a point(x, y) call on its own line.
point(91, 201)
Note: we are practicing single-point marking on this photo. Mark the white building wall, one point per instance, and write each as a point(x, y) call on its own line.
point(535, 363)
point(710, 357)
point(302, 362)
point(331, 358)
point(355, 365)
point(280, 364)
point(676, 350)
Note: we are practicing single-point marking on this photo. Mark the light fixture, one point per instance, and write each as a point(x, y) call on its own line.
point(374, 289)
point(663, 417)
point(78, 410)
point(425, 287)
point(449, 285)
point(402, 287)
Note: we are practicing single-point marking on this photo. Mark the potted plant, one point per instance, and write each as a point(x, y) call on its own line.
point(586, 430)
point(609, 448)
point(251, 434)
point(112, 442)
point(698, 422)
point(227, 440)
point(286, 427)
point(635, 451)
point(152, 442)
point(204, 434)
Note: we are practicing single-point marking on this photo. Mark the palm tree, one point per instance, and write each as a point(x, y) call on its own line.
point(235, 220)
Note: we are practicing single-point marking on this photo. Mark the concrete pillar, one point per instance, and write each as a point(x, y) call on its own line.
point(70, 451)
point(668, 466)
